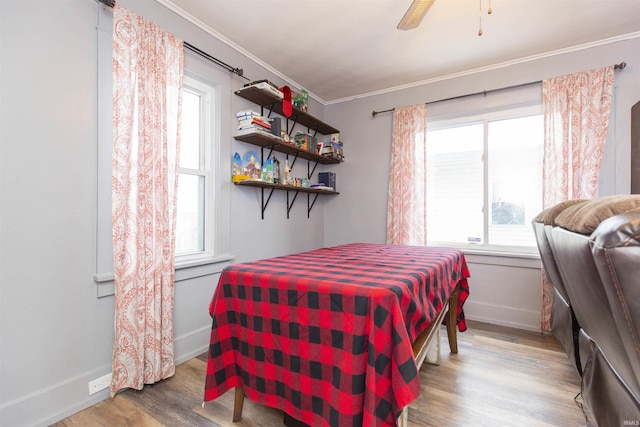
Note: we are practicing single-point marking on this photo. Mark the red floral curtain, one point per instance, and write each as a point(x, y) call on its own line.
point(147, 88)
point(407, 204)
point(576, 121)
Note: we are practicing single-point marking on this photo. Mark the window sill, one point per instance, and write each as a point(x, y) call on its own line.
point(504, 259)
point(185, 269)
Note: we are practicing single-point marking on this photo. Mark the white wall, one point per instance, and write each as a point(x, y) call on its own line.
point(503, 290)
point(56, 335)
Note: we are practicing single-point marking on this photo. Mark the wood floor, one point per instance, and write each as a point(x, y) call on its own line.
point(500, 377)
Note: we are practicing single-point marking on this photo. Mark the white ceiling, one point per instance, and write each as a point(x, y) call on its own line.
point(340, 49)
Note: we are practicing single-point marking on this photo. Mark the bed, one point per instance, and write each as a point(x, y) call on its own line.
point(331, 336)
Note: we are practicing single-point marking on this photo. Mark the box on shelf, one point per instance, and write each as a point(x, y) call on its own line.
point(305, 141)
point(300, 100)
point(328, 179)
point(266, 86)
point(331, 149)
point(240, 178)
point(338, 150)
point(276, 126)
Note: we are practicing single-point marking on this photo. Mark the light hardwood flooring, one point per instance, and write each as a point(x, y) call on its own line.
point(500, 377)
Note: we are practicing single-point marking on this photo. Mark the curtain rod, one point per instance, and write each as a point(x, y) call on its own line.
point(234, 70)
point(620, 66)
point(192, 48)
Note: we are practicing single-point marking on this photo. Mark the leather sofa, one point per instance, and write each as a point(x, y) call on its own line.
point(590, 252)
point(563, 320)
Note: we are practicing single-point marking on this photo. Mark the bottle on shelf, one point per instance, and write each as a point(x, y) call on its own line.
point(276, 171)
point(286, 175)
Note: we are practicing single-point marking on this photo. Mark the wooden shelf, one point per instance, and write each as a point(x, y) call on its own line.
point(264, 139)
point(267, 99)
point(269, 187)
point(263, 184)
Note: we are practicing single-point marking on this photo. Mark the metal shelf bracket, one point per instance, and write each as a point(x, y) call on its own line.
point(264, 204)
point(310, 203)
point(290, 205)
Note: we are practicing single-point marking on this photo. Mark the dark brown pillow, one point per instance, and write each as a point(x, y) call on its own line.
point(548, 215)
point(585, 217)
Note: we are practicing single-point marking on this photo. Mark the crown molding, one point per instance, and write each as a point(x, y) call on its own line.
point(195, 21)
point(198, 23)
point(496, 66)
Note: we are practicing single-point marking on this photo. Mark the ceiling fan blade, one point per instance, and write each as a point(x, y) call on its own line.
point(414, 14)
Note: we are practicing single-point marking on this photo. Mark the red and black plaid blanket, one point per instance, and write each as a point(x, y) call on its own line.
point(326, 335)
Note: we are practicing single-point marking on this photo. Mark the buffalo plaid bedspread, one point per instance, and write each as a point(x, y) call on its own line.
point(326, 335)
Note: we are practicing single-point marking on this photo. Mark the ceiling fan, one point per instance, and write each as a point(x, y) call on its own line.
point(419, 8)
point(413, 16)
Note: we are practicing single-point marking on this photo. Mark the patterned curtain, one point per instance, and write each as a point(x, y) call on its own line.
point(407, 205)
point(576, 121)
point(147, 88)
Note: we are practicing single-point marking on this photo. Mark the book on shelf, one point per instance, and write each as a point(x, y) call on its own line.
point(256, 121)
point(241, 118)
point(253, 128)
point(266, 87)
point(331, 149)
point(244, 114)
point(261, 131)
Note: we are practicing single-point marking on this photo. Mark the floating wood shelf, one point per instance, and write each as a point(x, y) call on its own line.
point(271, 101)
point(264, 139)
point(288, 188)
point(264, 184)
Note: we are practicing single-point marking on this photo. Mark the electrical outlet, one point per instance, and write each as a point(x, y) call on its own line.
point(99, 384)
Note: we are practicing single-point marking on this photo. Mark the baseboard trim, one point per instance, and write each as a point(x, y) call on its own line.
point(518, 318)
point(72, 394)
point(192, 344)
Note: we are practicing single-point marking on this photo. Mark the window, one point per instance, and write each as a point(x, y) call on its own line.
point(194, 181)
point(484, 180)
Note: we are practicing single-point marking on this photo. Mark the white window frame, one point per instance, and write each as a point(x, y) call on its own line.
point(209, 78)
point(484, 117)
point(209, 141)
point(217, 197)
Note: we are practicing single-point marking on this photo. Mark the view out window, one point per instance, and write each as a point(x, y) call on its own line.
point(484, 182)
point(194, 181)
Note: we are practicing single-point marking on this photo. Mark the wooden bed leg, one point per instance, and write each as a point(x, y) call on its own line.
point(452, 321)
point(237, 404)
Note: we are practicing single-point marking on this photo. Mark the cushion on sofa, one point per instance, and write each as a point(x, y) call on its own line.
point(585, 217)
point(548, 215)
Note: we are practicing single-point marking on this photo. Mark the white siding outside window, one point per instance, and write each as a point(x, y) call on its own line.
point(484, 180)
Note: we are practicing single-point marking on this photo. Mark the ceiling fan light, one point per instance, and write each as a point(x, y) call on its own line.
point(414, 14)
